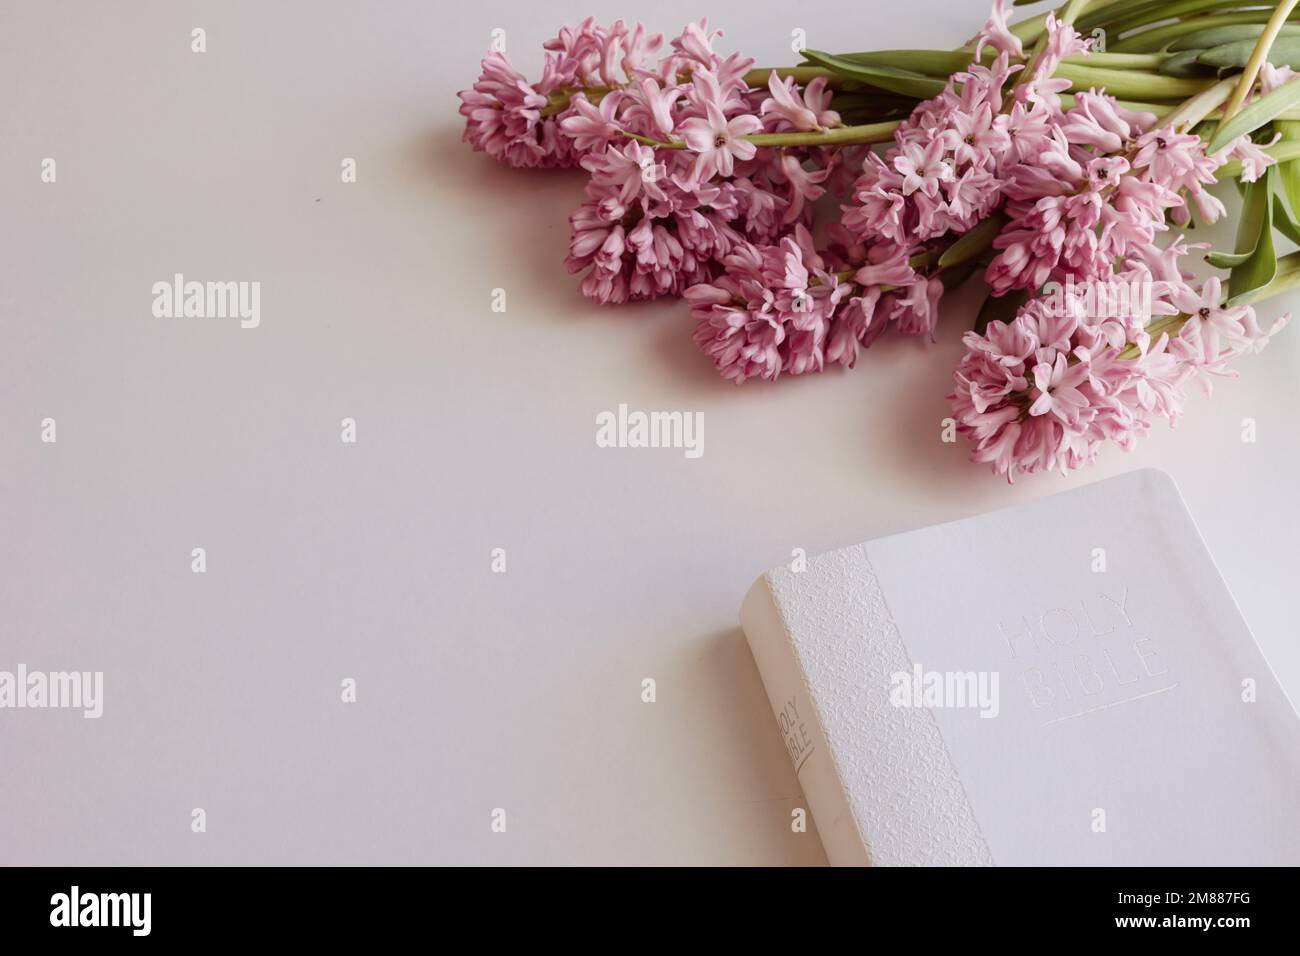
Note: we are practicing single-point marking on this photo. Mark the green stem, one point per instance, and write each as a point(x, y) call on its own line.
point(559, 100)
point(840, 136)
point(1120, 61)
point(920, 261)
point(1066, 14)
point(657, 144)
point(1132, 84)
point(1200, 106)
point(1031, 28)
point(1257, 57)
point(800, 74)
point(943, 63)
point(1073, 10)
point(1166, 323)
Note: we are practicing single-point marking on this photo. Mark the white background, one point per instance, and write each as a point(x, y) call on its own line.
point(476, 431)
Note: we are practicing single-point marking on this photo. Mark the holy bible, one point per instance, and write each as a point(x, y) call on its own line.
point(1066, 682)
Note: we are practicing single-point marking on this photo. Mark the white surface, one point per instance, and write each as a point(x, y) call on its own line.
point(371, 561)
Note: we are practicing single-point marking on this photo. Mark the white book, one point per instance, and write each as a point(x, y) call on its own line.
point(1066, 682)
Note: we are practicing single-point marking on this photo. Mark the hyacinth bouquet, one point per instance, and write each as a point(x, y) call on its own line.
point(804, 211)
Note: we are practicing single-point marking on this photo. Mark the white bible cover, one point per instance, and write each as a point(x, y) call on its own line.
point(1137, 722)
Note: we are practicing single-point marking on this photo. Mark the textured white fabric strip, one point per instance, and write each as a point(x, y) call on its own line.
point(909, 804)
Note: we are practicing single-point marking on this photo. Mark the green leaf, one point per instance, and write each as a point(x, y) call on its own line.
point(1255, 212)
point(952, 278)
point(1255, 115)
point(1161, 36)
point(1217, 36)
point(1110, 18)
point(972, 243)
point(1152, 11)
point(1000, 308)
point(1227, 260)
point(884, 78)
point(1282, 220)
point(1185, 64)
point(1288, 173)
point(1287, 278)
point(1255, 233)
point(1227, 56)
